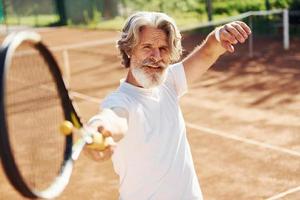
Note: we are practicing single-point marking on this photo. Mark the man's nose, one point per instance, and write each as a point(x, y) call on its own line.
point(156, 54)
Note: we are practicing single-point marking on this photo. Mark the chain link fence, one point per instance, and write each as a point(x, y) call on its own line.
point(29, 12)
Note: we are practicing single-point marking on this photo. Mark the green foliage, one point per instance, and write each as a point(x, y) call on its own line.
point(1, 13)
point(279, 3)
point(94, 19)
point(93, 12)
point(194, 11)
point(250, 5)
point(295, 5)
point(26, 8)
point(112, 24)
point(43, 20)
point(223, 7)
point(233, 6)
point(164, 6)
point(220, 7)
point(83, 12)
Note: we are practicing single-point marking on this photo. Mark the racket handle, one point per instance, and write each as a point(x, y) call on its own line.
point(100, 142)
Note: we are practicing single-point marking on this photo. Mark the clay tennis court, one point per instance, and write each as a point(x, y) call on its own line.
point(242, 117)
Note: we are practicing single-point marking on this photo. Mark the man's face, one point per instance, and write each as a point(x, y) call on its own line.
point(150, 57)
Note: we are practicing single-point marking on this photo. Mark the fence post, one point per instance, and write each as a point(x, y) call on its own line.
point(61, 10)
point(286, 39)
point(5, 16)
point(251, 37)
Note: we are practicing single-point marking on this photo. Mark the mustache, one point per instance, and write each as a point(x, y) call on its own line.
point(154, 64)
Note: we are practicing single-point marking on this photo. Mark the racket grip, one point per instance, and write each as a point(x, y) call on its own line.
point(100, 142)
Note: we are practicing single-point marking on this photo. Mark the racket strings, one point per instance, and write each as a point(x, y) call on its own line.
point(34, 114)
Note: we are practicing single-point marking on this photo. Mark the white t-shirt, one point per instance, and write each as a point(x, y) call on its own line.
point(154, 160)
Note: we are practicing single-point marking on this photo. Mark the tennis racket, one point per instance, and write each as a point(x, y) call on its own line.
point(35, 107)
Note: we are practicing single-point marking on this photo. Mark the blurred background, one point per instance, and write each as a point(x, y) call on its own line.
point(242, 117)
point(110, 14)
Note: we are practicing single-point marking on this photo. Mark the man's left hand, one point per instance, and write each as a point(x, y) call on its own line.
point(233, 33)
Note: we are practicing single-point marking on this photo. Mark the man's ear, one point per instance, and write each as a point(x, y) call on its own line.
point(128, 53)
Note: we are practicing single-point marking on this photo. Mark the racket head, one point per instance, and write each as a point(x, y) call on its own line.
point(34, 101)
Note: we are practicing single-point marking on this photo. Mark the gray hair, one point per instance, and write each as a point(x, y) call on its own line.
point(130, 34)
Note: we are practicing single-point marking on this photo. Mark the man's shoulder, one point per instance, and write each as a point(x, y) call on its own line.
point(176, 65)
point(117, 95)
point(116, 99)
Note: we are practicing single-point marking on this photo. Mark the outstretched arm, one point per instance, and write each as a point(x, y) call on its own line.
point(204, 56)
point(110, 123)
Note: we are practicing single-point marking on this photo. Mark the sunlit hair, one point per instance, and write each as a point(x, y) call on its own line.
point(130, 34)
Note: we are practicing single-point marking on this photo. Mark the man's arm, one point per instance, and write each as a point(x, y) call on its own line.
point(110, 123)
point(204, 56)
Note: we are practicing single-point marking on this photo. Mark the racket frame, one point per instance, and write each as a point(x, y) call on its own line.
point(8, 48)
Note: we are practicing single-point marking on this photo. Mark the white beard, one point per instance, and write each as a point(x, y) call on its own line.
point(148, 80)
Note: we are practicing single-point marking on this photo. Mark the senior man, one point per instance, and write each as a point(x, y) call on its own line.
point(152, 156)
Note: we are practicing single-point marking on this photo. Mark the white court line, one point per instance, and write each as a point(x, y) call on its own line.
point(221, 134)
point(85, 97)
point(70, 46)
point(282, 194)
point(85, 44)
point(208, 130)
point(241, 139)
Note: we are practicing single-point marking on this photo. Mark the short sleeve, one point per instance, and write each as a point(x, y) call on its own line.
point(116, 103)
point(176, 77)
point(115, 100)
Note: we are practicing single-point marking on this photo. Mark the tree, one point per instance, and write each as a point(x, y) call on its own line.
point(209, 10)
point(268, 5)
point(61, 9)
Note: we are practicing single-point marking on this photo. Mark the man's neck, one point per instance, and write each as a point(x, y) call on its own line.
point(131, 80)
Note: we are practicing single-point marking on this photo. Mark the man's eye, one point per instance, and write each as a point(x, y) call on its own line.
point(164, 49)
point(146, 47)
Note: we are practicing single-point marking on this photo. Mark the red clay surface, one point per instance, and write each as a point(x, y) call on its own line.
point(242, 118)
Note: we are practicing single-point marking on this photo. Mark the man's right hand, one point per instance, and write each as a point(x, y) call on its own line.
point(112, 126)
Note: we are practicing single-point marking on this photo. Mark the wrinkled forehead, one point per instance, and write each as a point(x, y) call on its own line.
point(152, 35)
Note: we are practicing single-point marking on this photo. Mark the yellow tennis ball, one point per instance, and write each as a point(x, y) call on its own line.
point(66, 128)
point(98, 142)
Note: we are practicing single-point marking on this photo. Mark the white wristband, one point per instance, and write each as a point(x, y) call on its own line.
point(110, 120)
point(217, 34)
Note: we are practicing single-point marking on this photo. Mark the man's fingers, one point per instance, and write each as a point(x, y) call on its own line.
point(107, 153)
point(92, 154)
point(240, 29)
point(226, 36)
point(104, 131)
point(234, 32)
point(229, 47)
point(245, 27)
point(103, 155)
point(99, 155)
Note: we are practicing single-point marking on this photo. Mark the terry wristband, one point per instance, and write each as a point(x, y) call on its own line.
point(217, 34)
